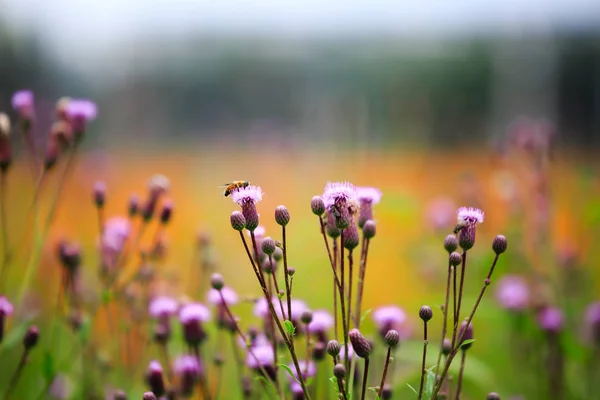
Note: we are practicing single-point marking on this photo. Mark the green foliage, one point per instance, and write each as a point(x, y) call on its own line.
point(290, 329)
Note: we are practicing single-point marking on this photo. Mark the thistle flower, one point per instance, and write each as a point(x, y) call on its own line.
point(332, 230)
point(119, 395)
point(247, 198)
point(317, 205)
point(367, 197)
point(99, 194)
point(22, 102)
point(425, 313)
point(268, 245)
point(550, 319)
point(392, 338)
point(162, 307)
point(333, 348)
point(189, 369)
point(154, 378)
point(282, 215)
point(336, 198)
point(149, 396)
point(262, 356)
point(230, 297)
point(467, 220)
point(166, 212)
point(261, 308)
point(308, 369)
point(31, 337)
point(351, 237)
point(499, 244)
point(321, 322)
point(69, 255)
point(512, 293)
point(6, 309)
point(369, 229)
point(80, 112)
point(351, 353)
point(361, 346)
point(450, 243)
point(238, 221)
point(112, 243)
point(388, 318)
point(492, 396)
point(339, 371)
point(298, 307)
point(133, 206)
point(192, 316)
point(592, 319)
point(440, 212)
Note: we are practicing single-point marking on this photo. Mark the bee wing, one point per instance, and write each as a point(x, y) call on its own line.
point(224, 185)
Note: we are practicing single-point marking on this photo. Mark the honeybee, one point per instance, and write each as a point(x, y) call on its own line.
point(459, 226)
point(233, 186)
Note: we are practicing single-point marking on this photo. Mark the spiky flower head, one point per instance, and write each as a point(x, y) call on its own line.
point(338, 193)
point(120, 395)
point(191, 317)
point(230, 297)
point(263, 356)
point(425, 313)
point(149, 396)
point(387, 318)
point(447, 346)
point(6, 307)
point(367, 198)
point(166, 212)
point(332, 230)
point(247, 198)
point(333, 348)
point(550, 319)
point(158, 184)
point(216, 281)
point(369, 229)
point(99, 194)
point(238, 221)
point(189, 369)
point(450, 243)
point(133, 206)
point(361, 346)
point(321, 322)
point(306, 317)
point(387, 391)
point(154, 378)
point(80, 112)
point(392, 338)
point(499, 244)
point(31, 337)
point(467, 221)
point(455, 259)
point(512, 293)
point(22, 101)
point(282, 215)
point(162, 307)
point(492, 396)
point(317, 205)
point(261, 308)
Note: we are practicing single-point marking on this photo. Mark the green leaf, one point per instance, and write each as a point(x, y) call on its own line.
point(367, 312)
point(429, 385)
point(289, 371)
point(106, 296)
point(289, 327)
point(48, 367)
point(412, 388)
point(466, 342)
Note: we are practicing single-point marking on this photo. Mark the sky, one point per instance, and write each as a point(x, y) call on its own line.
point(84, 27)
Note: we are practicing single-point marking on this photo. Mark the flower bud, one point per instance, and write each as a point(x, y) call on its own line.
point(149, 396)
point(369, 229)
point(317, 205)
point(154, 378)
point(339, 371)
point(306, 316)
point(216, 281)
point(318, 351)
point(120, 395)
point(333, 348)
point(499, 244)
point(99, 193)
point(268, 245)
point(331, 228)
point(361, 346)
point(392, 338)
point(291, 271)
point(425, 313)
point(238, 221)
point(133, 207)
point(166, 212)
point(278, 254)
point(282, 215)
point(467, 335)
point(455, 259)
point(386, 393)
point(450, 243)
point(466, 236)
point(447, 347)
point(31, 337)
point(351, 238)
point(493, 396)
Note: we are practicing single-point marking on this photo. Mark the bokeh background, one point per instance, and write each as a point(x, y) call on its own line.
point(421, 99)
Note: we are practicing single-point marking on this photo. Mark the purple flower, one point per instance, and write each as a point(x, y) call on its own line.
point(338, 192)
point(259, 340)
point(229, 295)
point(550, 319)
point(512, 293)
point(343, 352)
point(6, 307)
point(264, 357)
point(440, 213)
point(250, 194)
point(366, 194)
point(158, 184)
point(194, 312)
point(321, 322)
point(22, 102)
point(387, 318)
point(298, 307)
point(116, 232)
point(470, 215)
point(261, 307)
point(307, 368)
point(81, 109)
point(187, 364)
point(592, 319)
point(162, 307)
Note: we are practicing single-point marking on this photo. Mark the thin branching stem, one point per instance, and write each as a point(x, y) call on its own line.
point(460, 374)
point(361, 281)
point(445, 322)
point(285, 271)
point(365, 376)
point(423, 361)
point(16, 375)
point(385, 369)
point(350, 274)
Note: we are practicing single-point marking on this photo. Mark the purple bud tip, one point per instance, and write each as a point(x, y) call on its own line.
point(360, 345)
point(333, 348)
point(216, 281)
point(450, 243)
point(291, 271)
point(467, 334)
point(120, 395)
point(31, 337)
point(339, 371)
point(392, 338)
point(268, 245)
point(166, 212)
point(238, 221)
point(386, 393)
point(447, 347)
point(134, 205)
point(493, 396)
point(425, 313)
point(499, 244)
point(306, 316)
point(282, 215)
point(149, 396)
point(369, 229)
point(99, 194)
point(317, 205)
point(455, 259)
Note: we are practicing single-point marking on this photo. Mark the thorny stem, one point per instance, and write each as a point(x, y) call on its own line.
point(361, 281)
point(460, 294)
point(285, 270)
point(455, 348)
point(364, 383)
point(385, 368)
point(445, 323)
point(248, 347)
point(460, 374)
point(16, 375)
point(424, 360)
